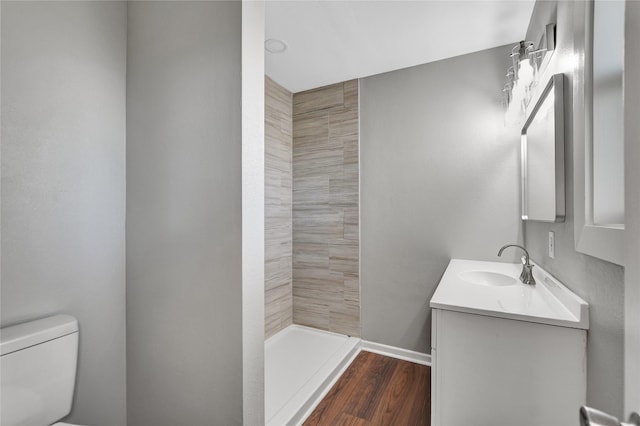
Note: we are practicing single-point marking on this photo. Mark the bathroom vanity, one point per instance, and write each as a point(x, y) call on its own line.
point(506, 353)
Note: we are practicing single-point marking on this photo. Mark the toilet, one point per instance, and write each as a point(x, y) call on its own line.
point(38, 371)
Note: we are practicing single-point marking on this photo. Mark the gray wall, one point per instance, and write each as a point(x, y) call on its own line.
point(439, 180)
point(600, 283)
point(184, 264)
point(63, 184)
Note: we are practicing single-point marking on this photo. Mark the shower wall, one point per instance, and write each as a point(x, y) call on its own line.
point(326, 279)
point(277, 194)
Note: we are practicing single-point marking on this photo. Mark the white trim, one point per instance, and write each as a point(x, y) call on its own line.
point(252, 126)
point(398, 353)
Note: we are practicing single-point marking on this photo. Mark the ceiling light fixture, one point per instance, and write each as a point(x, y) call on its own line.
point(273, 45)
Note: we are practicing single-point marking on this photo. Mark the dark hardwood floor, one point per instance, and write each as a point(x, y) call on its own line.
point(377, 390)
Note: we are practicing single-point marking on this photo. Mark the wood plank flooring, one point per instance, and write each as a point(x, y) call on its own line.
point(377, 390)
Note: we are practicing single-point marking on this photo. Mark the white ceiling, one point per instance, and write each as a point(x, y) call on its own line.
point(333, 41)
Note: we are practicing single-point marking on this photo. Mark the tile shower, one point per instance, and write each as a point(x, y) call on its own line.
point(312, 282)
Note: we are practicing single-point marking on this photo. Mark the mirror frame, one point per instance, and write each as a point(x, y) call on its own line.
point(603, 242)
point(555, 84)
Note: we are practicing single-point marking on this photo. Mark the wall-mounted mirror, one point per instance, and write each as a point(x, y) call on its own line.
point(598, 130)
point(542, 154)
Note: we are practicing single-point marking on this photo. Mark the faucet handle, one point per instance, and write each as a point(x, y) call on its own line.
point(527, 274)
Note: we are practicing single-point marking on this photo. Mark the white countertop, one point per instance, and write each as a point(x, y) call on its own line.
point(547, 302)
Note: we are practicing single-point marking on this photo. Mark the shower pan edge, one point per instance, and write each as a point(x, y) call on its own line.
point(301, 366)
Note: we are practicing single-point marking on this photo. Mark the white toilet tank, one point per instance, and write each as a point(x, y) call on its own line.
point(38, 370)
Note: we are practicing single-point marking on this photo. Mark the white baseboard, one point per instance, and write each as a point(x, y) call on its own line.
point(394, 352)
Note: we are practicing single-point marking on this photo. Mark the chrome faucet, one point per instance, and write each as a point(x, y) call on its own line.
point(527, 275)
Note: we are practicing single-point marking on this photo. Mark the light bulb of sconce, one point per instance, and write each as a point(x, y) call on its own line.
point(506, 99)
point(534, 57)
point(525, 72)
point(511, 77)
point(507, 93)
point(518, 90)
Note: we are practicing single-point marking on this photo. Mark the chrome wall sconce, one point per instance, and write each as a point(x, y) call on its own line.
point(529, 63)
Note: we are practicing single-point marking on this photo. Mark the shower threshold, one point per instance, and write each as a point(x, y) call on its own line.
point(301, 365)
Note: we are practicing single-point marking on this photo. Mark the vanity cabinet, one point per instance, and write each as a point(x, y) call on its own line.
point(494, 371)
point(492, 365)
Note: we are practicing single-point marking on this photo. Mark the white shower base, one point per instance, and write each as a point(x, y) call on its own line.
point(301, 364)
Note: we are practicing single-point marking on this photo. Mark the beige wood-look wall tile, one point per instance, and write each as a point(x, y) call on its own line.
point(278, 308)
point(313, 124)
point(343, 123)
point(278, 208)
point(344, 258)
point(318, 99)
point(315, 314)
point(343, 191)
point(351, 224)
point(326, 285)
point(350, 151)
point(351, 94)
point(310, 189)
point(344, 321)
point(319, 225)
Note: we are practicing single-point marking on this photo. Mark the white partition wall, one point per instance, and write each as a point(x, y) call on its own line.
point(253, 212)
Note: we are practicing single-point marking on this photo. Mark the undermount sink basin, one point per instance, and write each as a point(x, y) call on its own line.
point(492, 279)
